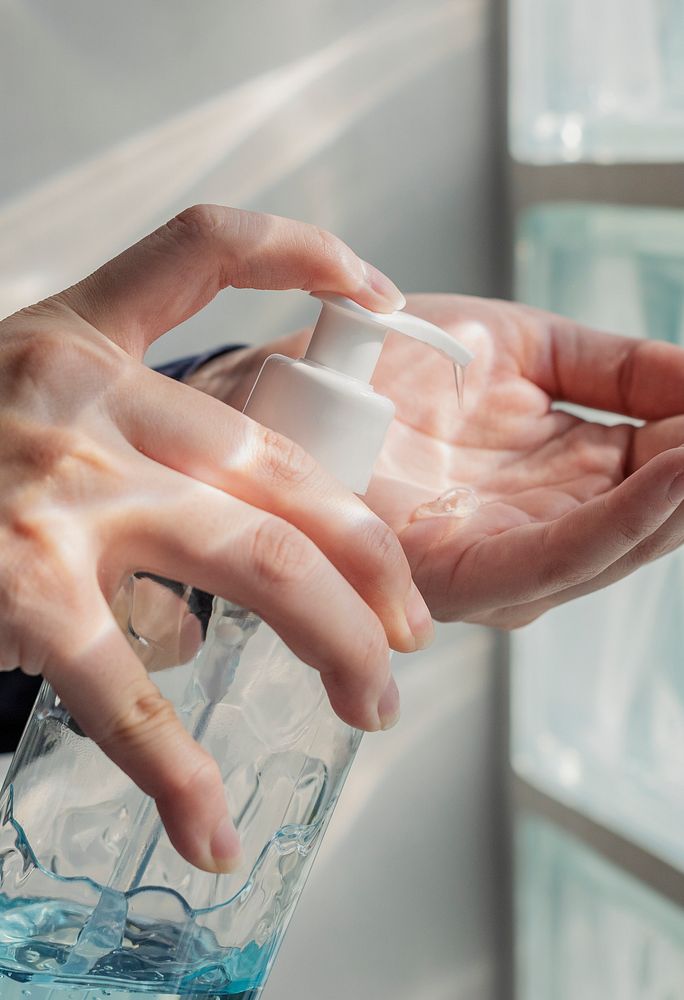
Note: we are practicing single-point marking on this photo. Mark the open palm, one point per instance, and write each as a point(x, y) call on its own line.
point(567, 504)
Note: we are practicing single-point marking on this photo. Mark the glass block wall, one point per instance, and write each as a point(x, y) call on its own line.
point(598, 80)
point(586, 928)
point(598, 684)
point(615, 267)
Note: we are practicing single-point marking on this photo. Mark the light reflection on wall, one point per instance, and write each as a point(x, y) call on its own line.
point(237, 145)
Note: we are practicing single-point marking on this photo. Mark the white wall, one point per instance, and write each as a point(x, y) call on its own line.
point(371, 119)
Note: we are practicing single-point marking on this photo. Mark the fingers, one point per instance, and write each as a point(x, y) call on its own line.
point(174, 272)
point(653, 438)
point(570, 361)
point(107, 691)
point(638, 378)
point(226, 547)
point(535, 561)
point(665, 539)
point(204, 439)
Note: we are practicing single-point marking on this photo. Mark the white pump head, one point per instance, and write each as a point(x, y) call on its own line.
point(324, 401)
point(349, 338)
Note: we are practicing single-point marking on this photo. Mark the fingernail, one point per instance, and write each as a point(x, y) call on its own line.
point(419, 618)
point(385, 291)
point(676, 492)
point(225, 846)
point(389, 705)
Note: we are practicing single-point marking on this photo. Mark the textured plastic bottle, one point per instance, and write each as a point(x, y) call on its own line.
point(94, 901)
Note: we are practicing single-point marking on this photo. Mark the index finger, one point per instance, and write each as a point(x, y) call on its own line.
point(173, 273)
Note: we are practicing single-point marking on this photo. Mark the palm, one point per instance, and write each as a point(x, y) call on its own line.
point(528, 463)
point(568, 505)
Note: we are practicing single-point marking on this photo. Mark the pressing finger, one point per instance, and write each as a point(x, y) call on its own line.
point(171, 274)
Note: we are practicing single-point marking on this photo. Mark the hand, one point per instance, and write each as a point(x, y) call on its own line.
point(107, 468)
point(568, 506)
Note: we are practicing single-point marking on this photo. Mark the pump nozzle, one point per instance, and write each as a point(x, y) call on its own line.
point(349, 338)
point(324, 401)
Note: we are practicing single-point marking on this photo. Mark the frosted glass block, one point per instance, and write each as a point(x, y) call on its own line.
point(585, 929)
point(618, 268)
point(598, 684)
point(596, 80)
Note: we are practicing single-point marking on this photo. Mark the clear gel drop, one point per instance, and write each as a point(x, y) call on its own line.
point(458, 502)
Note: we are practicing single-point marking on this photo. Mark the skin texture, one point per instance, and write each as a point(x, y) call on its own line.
point(568, 505)
point(107, 467)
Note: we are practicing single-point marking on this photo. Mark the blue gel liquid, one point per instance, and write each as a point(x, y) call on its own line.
point(56, 949)
point(144, 961)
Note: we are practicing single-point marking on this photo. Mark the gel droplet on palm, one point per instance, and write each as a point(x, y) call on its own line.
point(459, 502)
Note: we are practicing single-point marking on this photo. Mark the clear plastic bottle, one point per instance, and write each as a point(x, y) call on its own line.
point(94, 901)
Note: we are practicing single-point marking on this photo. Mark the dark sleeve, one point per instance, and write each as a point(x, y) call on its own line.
point(183, 367)
point(18, 691)
point(17, 694)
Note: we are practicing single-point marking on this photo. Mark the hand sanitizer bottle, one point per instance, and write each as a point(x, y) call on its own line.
point(94, 901)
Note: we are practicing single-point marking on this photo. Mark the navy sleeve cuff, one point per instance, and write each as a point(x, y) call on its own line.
point(182, 367)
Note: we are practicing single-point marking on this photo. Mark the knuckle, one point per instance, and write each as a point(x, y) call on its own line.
point(35, 352)
point(42, 357)
point(82, 456)
point(196, 223)
point(280, 555)
point(45, 309)
point(329, 246)
point(558, 574)
point(63, 459)
point(627, 532)
point(200, 780)
point(553, 571)
point(332, 253)
point(382, 545)
point(51, 449)
point(283, 461)
point(146, 715)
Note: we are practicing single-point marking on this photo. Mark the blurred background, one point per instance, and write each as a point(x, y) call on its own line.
point(520, 836)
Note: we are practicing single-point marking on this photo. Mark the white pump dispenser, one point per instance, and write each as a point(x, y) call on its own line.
point(324, 401)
